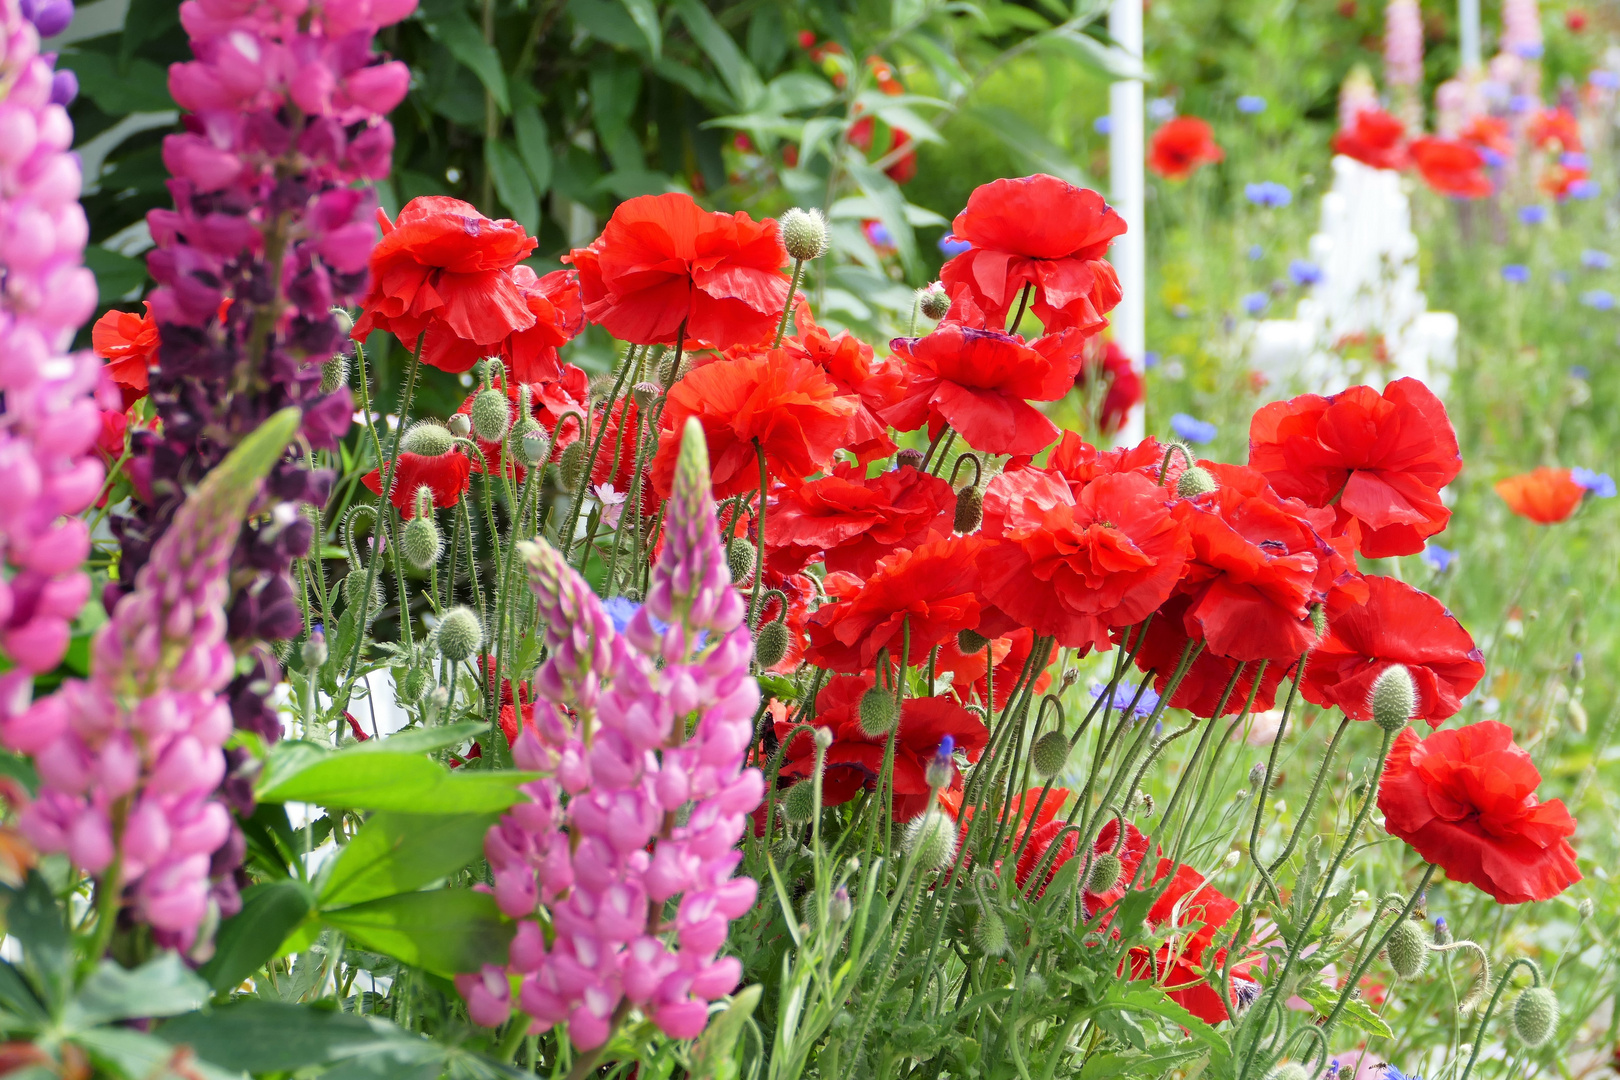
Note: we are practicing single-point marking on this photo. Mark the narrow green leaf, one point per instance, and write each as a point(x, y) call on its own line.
point(163, 986)
point(739, 75)
point(453, 28)
point(890, 205)
point(387, 781)
point(18, 997)
point(512, 183)
point(396, 853)
point(34, 919)
point(444, 932)
point(422, 740)
point(720, 1037)
point(533, 145)
point(645, 16)
point(250, 938)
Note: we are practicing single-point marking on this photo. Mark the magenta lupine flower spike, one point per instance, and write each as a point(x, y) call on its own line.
point(130, 760)
point(1403, 43)
point(645, 807)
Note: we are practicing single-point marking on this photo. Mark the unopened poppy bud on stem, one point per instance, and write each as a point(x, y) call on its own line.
point(491, 415)
point(460, 426)
point(804, 234)
point(933, 301)
point(740, 559)
point(1535, 1015)
point(1394, 698)
point(420, 541)
point(1195, 481)
point(314, 651)
point(1104, 874)
point(571, 466)
point(1050, 754)
point(460, 634)
point(969, 510)
point(771, 645)
point(334, 373)
point(427, 438)
point(931, 839)
point(990, 933)
point(1408, 951)
point(877, 712)
point(799, 803)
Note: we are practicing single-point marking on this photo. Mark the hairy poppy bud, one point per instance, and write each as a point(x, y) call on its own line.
point(1105, 871)
point(536, 446)
point(908, 456)
point(334, 373)
point(1394, 698)
point(990, 933)
point(460, 634)
point(877, 712)
point(771, 645)
point(420, 542)
point(1195, 481)
point(1535, 1015)
point(571, 466)
point(969, 510)
point(1034, 985)
point(740, 559)
point(427, 438)
point(804, 234)
point(971, 641)
point(931, 839)
point(645, 393)
point(491, 415)
point(1408, 951)
point(1291, 1071)
point(460, 426)
point(344, 321)
point(354, 585)
point(824, 738)
point(933, 301)
point(1050, 754)
point(799, 803)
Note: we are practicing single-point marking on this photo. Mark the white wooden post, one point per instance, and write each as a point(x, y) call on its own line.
point(1126, 154)
point(1468, 24)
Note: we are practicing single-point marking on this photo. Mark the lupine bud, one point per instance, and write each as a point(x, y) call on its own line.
point(334, 373)
point(908, 456)
point(989, 933)
point(1408, 951)
point(804, 234)
point(771, 645)
point(971, 641)
point(1535, 1015)
point(1104, 874)
point(536, 446)
point(644, 394)
point(420, 542)
point(491, 415)
point(460, 634)
point(933, 301)
point(839, 908)
point(931, 839)
point(571, 466)
point(877, 712)
point(459, 425)
point(799, 803)
point(1194, 482)
point(1393, 698)
point(740, 559)
point(969, 510)
point(1050, 754)
point(314, 651)
point(427, 438)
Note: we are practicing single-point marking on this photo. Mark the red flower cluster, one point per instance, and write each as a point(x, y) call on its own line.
point(1373, 138)
point(1451, 166)
point(1183, 146)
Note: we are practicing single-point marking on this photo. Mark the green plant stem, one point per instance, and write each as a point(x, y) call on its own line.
point(1485, 1017)
point(759, 550)
point(787, 309)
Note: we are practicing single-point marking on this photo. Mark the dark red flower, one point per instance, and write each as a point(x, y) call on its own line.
point(129, 344)
point(1546, 496)
point(779, 401)
point(1073, 564)
point(855, 760)
point(1182, 966)
point(441, 261)
point(1041, 233)
point(1109, 383)
point(665, 265)
point(1397, 624)
point(875, 383)
point(980, 382)
point(1465, 799)
point(931, 588)
point(1378, 460)
point(1451, 167)
point(1206, 680)
point(1373, 138)
point(1183, 146)
point(1046, 833)
point(851, 521)
point(446, 475)
point(530, 354)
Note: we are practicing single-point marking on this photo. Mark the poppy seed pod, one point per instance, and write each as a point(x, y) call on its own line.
point(644, 394)
point(334, 373)
point(460, 634)
point(971, 641)
point(908, 456)
point(491, 415)
point(799, 802)
point(969, 511)
point(427, 438)
point(1535, 1015)
point(571, 466)
point(459, 425)
point(740, 559)
point(1104, 874)
point(877, 712)
point(1393, 698)
point(933, 301)
point(804, 234)
point(931, 840)
point(1050, 754)
point(771, 645)
point(1408, 951)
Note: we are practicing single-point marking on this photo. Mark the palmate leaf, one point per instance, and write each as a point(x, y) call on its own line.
point(160, 987)
point(248, 939)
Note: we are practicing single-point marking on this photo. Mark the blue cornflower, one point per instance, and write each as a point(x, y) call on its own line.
point(1268, 193)
point(1103, 125)
point(1515, 273)
point(1250, 104)
point(1256, 302)
point(1574, 159)
point(878, 233)
point(1124, 694)
point(1521, 103)
point(620, 610)
point(1532, 215)
point(1392, 1073)
point(951, 246)
point(1599, 484)
point(1494, 158)
point(1304, 272)
point(1161, 109)
point(1585, 189)
point(1593, 259)
point(1256, 252)
point(1193, 429)
point(1150, 360)
point(947, 747)
point(1578, 371)
point(1598, 299)
point(1437, 557)
point(1604, 80)
point(1529, 50)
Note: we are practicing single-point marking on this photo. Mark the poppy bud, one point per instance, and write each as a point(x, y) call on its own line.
point(1195, 481)
point(1104, 874)
point(1408, 952)
point(1535, 1015)
point(740, 559)
point(1319, 622)
point(644, 394)
point(933, 301)
point(314, 651)
point(428, 438)
point(877, 712)
point(771, 645)
point(421, 542)
point(931, 840)
point(799, 804)
point(971, 641)
point(824, 738)
point(491, 415)
point(1291, 1071)
point(436, 703)
point(354, 585)
point(571, 466)
point(536, 446)
point(334, 373)
point(1393, 698)
point(839, 908)
point(969, 510)
point(344, 321)
point(459, 425)
point(990, 933)
point(1069, 677)
point(804, 234)
point(1050, 754)
point(908, 456)
point(460, 634)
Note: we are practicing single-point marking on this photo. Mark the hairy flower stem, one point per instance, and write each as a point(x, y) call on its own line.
point(759, 564)
point(1501, 984)
point(566, 536)
point(787, 309)
point(506, 609)
point(1271, 770)
point(1310, 799)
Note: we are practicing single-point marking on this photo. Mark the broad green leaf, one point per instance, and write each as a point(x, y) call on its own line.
point(897, 111)
point(163, 986)
point(263, 1036)
point(605, 21)
point(116, 275)
point(512, 185)
point(1022, 138)
point(1357, 1013)
point(134, 1054)
point(422, 740)
point(444, 932)
point(396, 853)
point(379, 780)
point(889, 203)
point(739, 75)
point(145, 20)
point(1109, 60)
point(250, 938)
point(533, 145)
point(142, 87)
point(797, 90)
point(645, 16)
point(453, 28)
point(18, 997)
point(861, 208)
point(720, 1037)
point(34, 919)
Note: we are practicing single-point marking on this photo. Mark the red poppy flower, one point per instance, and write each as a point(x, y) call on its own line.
point(855, 760)
point(979, 382)
point(875, 383)
point(1046, 833)
point(129, 344)
point(446, 475)
point(1107, 373)
point(442, 261)
point(1378, 460)
point(664, 264)
point(1182, 965)
point(1080, 463)
point(1009, 653)
point(1396, 625)
point(1183, 146)
point(852, 521)
point(1465, 799)
point(1488, 133)
point(780, 401)
point(1042, 233)
point(1546, 496)
point(1073, 564)
point(1559, 179)
point(1556, 129)
point(1209, 675)
point(510, 711)
point(931, 588)
point(1451, 167)
point(530, 355)
point(1374, 138)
